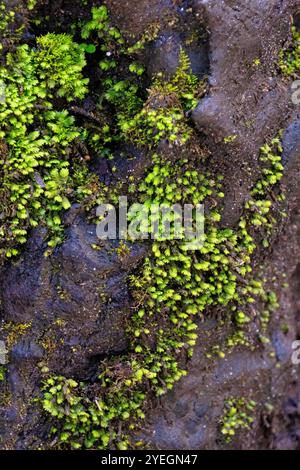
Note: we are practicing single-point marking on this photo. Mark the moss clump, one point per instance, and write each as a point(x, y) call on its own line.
point(261, 202)
point(121, 96)
point(238, 339)
point(289, 59)
point(7, 17)
point(175, 286)
point(237, 415)
point(100, 26)
point(121, 392)
point(173, 289)
point(163, 115)
point(2, 373)
point(59, 62)
point(34, 164)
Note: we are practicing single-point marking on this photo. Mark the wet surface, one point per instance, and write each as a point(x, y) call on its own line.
point(77, 301)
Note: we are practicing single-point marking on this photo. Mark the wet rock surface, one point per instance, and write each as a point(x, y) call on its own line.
point(74, 304)
point(291, 141)
point(73, 307)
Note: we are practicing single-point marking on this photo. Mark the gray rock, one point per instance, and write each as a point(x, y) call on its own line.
point(26, 350)
point(291, 141)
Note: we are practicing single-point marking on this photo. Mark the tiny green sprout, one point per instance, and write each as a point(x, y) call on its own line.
point(285, 328)
point(136, 68)
point(2, 373)
point(89, 48)
point(237, 414)
point(31, 4)
point(256, 62)
point(230, 138)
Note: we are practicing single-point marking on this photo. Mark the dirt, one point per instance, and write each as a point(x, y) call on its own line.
point(87, 290)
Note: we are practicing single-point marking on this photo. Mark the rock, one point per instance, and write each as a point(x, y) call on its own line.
point(26, 350)
point(22, 282)
point(163, 55)
point(134, 17)
point(246, 101)
point(200, 409)
point(75, 303)
point(291, 141)
point(282, 346)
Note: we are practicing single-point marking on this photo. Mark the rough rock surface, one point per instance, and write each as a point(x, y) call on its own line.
point(75, 303)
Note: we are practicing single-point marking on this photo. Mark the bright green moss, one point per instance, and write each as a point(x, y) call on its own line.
point(289, 59)
point(59, 62)
point(7, 17)
point(238, 338)
point(151, 126)
point(259, 206)
point(174, 287)
point(100, 26)
point(237, 415)
point(148, 36)
point(270, 305)
point(13, 331)
point(229, 139)
point(2, 373)
point(31, 4)
point(34, 163)
point(163, 115)
point(124, 96)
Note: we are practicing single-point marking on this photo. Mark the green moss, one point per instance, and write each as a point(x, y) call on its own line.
point(148, 36)
point(123, 250)
point(7, 17)
point(163, 115)
point(238, 338)
point(34, 163)
point(229, 139)
point(174, 286)
point(237, 415)
point(261, 202)
point(2, 373)
point(124, 96)
point(289, 59)
point(172, 290)
point(256, 62)
point(31, 4)
point(59, 62)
